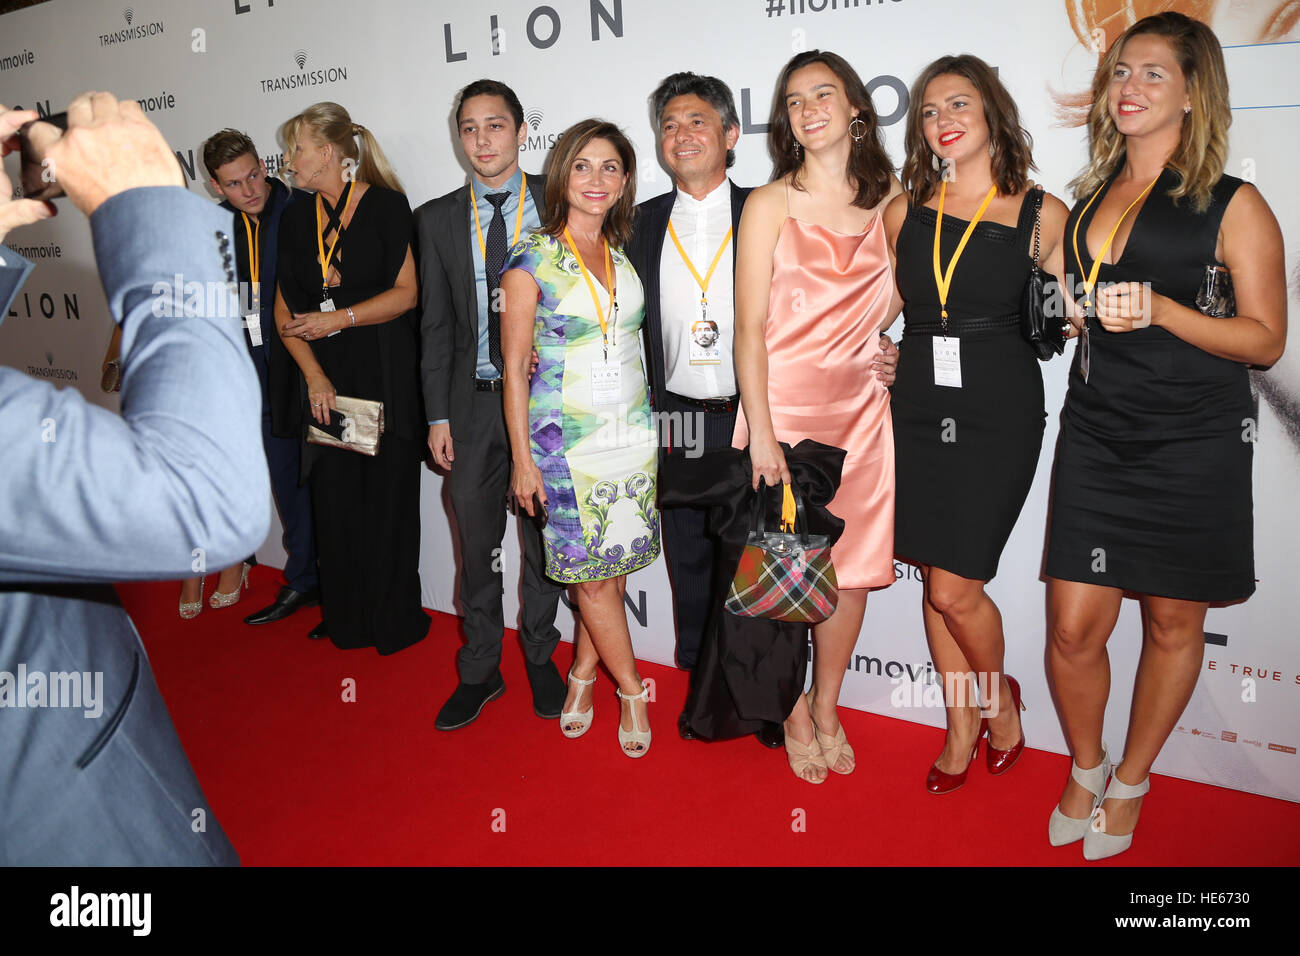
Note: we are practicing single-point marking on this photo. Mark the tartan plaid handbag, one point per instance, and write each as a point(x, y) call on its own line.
point(784, 576)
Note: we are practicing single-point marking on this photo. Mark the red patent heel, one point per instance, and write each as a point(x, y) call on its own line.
point(1000, 761)
point(937, 781)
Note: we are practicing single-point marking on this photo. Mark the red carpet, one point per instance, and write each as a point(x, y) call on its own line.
point(298, 776)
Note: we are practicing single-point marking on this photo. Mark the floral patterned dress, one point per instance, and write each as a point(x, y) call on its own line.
point(596, 446)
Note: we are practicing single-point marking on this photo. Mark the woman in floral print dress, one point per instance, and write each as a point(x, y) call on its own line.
point(582, 435)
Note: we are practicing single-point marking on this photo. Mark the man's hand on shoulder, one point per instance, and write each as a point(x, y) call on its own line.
point(109, 147)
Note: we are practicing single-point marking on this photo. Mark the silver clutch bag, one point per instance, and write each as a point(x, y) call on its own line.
point(1216, 297)
point(360, 428)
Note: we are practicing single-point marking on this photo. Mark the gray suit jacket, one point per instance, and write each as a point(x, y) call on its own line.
point(88, 497)
point(449, 326)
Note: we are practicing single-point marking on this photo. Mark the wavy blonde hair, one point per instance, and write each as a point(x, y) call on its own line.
point(330, 123)
point(1202, 150)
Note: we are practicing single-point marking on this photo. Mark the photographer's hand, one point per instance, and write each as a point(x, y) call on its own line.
point(16, 212)
point(109, 147)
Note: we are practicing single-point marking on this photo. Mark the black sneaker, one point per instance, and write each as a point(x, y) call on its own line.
point(548, 689)
point(466, 703)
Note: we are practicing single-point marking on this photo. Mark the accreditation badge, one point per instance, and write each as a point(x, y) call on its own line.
point(253, 317)
point(947, 361)
point(706, 347)
point(606, 383)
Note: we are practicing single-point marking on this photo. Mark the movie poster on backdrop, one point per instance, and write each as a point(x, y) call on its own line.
point(196, 67)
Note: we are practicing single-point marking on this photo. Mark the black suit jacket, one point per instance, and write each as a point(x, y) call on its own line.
point(649, 229)
point(449, 325)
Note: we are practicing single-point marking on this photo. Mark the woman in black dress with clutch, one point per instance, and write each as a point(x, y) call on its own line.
point(1152, 487)
point(968, 402)
point(347, 288)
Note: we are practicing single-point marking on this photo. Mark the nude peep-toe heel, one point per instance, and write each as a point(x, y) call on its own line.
point(833, 746)
point(804, 756)
point(636, 735)
point(580, 717)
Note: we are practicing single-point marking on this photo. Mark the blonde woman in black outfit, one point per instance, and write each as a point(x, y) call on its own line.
point(351, 328)
point(1152, 488)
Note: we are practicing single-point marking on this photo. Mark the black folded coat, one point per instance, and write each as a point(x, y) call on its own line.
point(749, 670)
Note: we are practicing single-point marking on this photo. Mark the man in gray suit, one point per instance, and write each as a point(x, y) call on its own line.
point(463, 238)
point(91, 770)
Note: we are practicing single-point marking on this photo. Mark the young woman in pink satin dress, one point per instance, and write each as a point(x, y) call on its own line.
point(814, 289)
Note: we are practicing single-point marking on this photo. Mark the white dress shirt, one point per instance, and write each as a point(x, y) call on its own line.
point(690, 369)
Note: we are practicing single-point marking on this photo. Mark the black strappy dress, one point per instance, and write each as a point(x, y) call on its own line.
point(966, 456)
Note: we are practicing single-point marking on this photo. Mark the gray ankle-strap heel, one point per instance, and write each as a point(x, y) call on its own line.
point(1062, 829)
point(1097, 843)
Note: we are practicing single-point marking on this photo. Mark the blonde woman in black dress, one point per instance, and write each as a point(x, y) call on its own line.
point(1152, 488)
point(345, 304)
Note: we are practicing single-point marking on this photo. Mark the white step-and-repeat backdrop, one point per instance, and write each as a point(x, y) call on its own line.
point(200, 65)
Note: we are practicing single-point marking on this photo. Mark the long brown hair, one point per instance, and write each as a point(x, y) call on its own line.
point(617, 227)
point(869, 164)
point(1202, 149)
point(330, 123)
point(1012, 145)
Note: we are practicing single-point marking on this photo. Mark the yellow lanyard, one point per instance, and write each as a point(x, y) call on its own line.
point(519, 216)
point(591, 286)
point(787, 509)
point(944, 280)
point(708, 276)
point(251, 231)
point(1091, 281)
point(320, 242)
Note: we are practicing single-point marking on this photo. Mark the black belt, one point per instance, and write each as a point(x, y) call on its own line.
point(958, 326)
point(489, 385)
point(723, 405)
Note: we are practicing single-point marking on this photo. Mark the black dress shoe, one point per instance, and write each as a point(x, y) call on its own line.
point(548, 689)
point(684, 728)
point(466, 702)
point(771, 735)
point(318, 632)
point(286, 602)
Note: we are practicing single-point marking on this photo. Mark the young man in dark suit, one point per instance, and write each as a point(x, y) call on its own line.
point(257, 202)
point(463, 238)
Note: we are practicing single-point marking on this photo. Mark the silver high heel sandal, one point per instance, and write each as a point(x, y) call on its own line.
point(225, 600)
point(636, 735)
point(1097, 843)
point(189, 610)
point(581, 718)
point(1062, 829)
